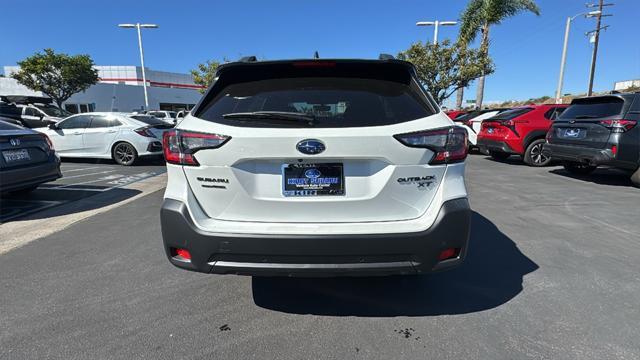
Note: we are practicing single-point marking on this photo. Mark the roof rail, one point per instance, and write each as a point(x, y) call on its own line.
point(248, 59)
point(386, 57)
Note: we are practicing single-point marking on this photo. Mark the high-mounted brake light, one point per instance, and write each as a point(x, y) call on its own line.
point(449, 144)
point(179, 146)
point(314, 63)
point(618, 126)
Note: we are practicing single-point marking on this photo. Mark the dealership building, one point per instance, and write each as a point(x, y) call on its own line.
point(120, 89)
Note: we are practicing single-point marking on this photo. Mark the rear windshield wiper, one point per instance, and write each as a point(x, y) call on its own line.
point(273, 115)
point(587, 117)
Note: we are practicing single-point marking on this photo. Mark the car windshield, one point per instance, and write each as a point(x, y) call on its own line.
point(332, 102)
point(511, 114)
point(149, 120)
point(593, 108)
point(54, 111)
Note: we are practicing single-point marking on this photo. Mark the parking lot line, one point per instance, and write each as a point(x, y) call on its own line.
point(81, 169)
point(89, 174)
point(104, 178)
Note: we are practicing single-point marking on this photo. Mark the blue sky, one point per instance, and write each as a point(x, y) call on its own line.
point(525, 48)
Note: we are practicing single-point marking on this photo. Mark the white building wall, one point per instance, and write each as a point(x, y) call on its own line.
point(622, 85)
point(114, 97)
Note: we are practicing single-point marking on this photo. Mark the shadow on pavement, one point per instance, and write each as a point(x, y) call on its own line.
point(491, 275)
point(143, 161)
point(42, 203)
point(612, 177)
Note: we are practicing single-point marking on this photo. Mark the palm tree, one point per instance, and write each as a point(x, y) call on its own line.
point(480, 15)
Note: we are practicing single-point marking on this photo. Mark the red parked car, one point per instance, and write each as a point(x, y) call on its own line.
point(519, 131)
point(452, 114)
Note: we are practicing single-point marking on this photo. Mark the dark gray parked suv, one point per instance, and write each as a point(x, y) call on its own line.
point(27, 159)
point(595, 131)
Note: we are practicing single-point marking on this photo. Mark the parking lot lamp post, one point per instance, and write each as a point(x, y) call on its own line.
point(138, 26)
point(436, 24)
point(564, 50)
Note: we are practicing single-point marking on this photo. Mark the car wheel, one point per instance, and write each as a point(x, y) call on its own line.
point(578, 169)
point(124, 154)
point(635, 178)
point(499, 155)
point(534, 156)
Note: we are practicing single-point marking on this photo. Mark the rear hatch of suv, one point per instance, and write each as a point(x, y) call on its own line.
point(589, 122)
point(318, 141)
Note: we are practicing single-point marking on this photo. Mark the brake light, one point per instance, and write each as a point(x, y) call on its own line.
point(49, 143)
point(449, 144)
point(314, 63)
point(614, 150)
point(618, 126)
point(179, 146)
point(144, 131)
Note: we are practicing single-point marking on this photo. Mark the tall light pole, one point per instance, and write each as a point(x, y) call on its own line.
point(436, 24)
point(564, 50)
point(596, 40)
point(138, 26)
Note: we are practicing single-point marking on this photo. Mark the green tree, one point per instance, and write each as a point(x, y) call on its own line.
point(443, 68)
point(480, 15)
point(57, 75)
point(205, 73)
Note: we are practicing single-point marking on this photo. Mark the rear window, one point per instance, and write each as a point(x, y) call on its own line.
point(593, 108)
point(511, 114)
point(331, 101)
point(149, 120)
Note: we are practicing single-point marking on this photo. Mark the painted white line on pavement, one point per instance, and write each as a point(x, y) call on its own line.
point(80, 169)
point(20, 232)
point(89, 174)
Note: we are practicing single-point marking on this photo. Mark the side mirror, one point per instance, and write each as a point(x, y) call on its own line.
point(53, 126)
point(41, 117)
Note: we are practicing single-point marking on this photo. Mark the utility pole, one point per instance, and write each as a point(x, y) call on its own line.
point(563, 60)
point(596, 40)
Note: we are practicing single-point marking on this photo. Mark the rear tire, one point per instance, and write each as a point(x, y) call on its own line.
point(533, 156)
point(124, 154)
point(578, 169)
point(499, 155)
point(635, 178)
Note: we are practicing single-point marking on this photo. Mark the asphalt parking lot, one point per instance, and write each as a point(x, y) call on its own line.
point(552, 273)
point(82, 178)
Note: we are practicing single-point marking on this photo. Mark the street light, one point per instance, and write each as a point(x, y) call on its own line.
point(564, 49)
point(138, 26)
point(436, 24)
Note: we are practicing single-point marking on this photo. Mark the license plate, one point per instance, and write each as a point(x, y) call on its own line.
point(16, 155)
point(573, 133)
point(313, 179)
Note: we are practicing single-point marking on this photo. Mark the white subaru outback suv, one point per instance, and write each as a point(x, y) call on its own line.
point(316, 168)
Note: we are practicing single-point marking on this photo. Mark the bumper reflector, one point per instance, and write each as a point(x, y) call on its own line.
point(449, 253)
point(182, 253)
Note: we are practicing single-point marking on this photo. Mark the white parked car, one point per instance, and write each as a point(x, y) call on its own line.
point(107, 136)
point(472, 122)
point(164, 115)
point(316, 167)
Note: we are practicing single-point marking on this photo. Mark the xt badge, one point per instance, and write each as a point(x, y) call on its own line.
point(421, 182)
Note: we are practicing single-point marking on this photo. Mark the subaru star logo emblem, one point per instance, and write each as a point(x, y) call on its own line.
point(14, 142)
point(312, 173)
point(310, 146)
point(573, 132)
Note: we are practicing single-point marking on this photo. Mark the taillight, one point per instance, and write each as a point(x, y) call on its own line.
point(179, 145)
point(49, 143)
point(144, 131)
point(449, 144)
point(618, 126)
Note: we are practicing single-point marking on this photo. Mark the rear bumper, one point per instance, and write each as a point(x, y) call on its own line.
point(486, 145)
point(313, 254)
point(28, 176)
point(584, 155)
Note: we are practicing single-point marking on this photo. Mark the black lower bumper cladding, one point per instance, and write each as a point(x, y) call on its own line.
point(313, 254)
